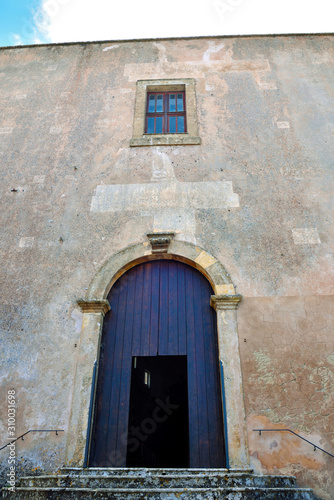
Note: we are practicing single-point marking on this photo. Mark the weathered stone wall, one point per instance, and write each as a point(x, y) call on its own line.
point(256, 194)
point(287, 352)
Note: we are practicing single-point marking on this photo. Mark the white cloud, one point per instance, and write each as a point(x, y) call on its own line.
point(85, 20)
point(17, 39)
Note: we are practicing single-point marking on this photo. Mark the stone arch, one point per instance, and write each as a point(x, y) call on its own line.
point(186, 252)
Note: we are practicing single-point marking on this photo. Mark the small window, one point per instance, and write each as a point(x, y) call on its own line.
point(165, 113)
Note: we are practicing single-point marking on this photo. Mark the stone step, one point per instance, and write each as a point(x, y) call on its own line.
point(139, 481)
point(73, 471)
point(161, 494)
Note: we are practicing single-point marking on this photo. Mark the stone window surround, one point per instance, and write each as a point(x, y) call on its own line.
point(139, 138)
point(225, 301)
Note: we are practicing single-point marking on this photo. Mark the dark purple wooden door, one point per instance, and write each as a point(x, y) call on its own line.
point(159, 308)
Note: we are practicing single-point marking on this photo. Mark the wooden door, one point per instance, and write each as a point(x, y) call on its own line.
point(159, 308)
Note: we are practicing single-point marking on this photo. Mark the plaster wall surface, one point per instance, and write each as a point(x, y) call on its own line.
point(256, 193)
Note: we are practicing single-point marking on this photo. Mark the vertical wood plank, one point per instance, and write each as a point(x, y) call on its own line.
point(138, 302)
point(181, 305)
point(155, 299)
point(111, 436)
point(125, 383)
point(163, 309)
point(146, 310)
point(172, 310)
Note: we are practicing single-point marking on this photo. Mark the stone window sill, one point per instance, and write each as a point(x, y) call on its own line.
point(165, 140)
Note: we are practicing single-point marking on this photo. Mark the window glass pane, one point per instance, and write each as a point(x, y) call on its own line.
point(180, 124)
point(172, 124)
point(151, 104)
point(180, 102)
point(150, 125)
point(172, 102)
point(160, 103)
point(158, 125)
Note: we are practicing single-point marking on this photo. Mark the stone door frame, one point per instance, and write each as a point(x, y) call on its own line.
point(94, 307)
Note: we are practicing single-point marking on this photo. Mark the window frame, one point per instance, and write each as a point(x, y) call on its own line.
point(166, 113)
point(144, 87)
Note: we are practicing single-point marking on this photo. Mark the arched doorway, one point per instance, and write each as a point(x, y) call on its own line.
point(158, 359)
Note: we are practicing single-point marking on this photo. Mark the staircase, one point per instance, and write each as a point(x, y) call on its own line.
point(162, 484)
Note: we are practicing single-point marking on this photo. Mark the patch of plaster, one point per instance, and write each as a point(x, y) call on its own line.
point(162, 51)
point(223, 317)
point(198, 69)
point(212, 49)
point(162, 168)
point(77, 316)
point(264, 84)
point(110, 48)
point(39, 179)
point(276, 450)
point(263, 364)
point(283, 124)
point(305, 236)
point(55, 130)
point(160, 195)
point(330, 359)
point(178, 221)
point(26, 242)
point(267, 85)
point(6, 130)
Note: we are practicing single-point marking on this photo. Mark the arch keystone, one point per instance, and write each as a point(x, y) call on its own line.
point(160, 241)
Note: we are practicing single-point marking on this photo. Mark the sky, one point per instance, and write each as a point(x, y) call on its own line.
point(56, 21)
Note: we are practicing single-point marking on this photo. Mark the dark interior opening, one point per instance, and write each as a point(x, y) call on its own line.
point(158, 433)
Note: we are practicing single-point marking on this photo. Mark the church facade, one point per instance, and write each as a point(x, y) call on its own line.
point(167, 254)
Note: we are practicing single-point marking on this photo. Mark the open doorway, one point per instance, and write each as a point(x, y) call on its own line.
point(158, 433)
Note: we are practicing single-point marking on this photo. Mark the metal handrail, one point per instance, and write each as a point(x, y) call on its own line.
point(292, 432)
point(32, 430)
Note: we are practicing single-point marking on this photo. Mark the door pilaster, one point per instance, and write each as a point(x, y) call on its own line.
point(229, 355)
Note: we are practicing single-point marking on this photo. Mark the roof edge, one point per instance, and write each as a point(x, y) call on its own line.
point(131, 40)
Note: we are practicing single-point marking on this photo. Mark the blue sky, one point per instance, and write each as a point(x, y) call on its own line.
point(56, 21)
point(16, 17)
